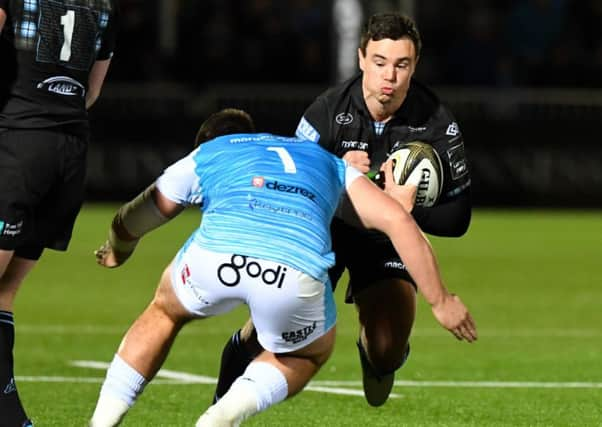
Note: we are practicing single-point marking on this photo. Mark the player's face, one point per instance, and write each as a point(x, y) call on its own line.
point(388, 67)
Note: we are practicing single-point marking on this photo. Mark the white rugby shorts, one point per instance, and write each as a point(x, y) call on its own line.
point(289, 308)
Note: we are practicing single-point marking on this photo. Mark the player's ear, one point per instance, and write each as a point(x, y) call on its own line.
point(361, 58)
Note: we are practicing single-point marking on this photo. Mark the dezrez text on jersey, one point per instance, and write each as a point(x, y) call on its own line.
point(275, 185)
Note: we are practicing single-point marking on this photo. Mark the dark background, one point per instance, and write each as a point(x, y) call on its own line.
point(523, 77)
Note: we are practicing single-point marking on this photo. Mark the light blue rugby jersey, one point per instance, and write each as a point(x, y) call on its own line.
point(263, 196)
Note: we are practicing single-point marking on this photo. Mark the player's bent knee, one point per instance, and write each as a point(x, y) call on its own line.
point(386, 363)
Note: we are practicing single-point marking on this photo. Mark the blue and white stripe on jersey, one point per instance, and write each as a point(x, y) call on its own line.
point(306, 131)
point(263, 196)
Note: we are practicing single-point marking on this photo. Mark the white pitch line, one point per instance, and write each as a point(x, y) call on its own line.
point(92, 380)
point(163, 373)
point(327, 386)
point(498, 384)
point(471, 384)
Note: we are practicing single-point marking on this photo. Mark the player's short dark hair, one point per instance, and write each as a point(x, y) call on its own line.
point(224, 122)
point(390, 25)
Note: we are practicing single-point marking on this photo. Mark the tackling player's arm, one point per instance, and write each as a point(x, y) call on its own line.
point(160, 202)
point(377, 210)
point(149, 210)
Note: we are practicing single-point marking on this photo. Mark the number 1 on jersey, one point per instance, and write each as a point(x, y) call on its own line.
point(287, 160)
point(68, 23)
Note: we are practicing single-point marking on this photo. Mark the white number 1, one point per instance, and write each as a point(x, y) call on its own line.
point(68, 23)
point(287, 160)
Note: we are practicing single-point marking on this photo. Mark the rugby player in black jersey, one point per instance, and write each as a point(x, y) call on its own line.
point(54, 57)
point(363, 120)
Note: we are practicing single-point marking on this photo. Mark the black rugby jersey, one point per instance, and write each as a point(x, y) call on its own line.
point(47, 48)
point(339, 121)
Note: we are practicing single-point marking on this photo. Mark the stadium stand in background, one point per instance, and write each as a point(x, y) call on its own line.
point(524, 78)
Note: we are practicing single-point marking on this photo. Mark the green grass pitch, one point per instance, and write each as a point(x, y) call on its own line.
point(531, 279)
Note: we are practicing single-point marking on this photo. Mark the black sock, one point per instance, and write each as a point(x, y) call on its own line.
point(235, 359)
point(11, 409)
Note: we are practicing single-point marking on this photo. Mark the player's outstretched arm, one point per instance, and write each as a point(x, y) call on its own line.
point(149, 210)
point(377, 210)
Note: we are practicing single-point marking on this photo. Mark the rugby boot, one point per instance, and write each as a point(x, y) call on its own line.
point(377, 386)
point(214, 417)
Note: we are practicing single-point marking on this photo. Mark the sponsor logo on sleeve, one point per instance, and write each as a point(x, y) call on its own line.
point(457, 161)
point(306, 131)
point(452, 129)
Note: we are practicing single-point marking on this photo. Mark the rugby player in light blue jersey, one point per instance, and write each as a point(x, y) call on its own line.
point(264, 241)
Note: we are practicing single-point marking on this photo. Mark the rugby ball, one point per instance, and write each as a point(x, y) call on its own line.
point(419, 164)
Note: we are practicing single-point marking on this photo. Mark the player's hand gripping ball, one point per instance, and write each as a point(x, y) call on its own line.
point(419, 164)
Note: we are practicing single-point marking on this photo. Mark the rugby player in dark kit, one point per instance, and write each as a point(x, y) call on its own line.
point(54, 56)
point(363, 120)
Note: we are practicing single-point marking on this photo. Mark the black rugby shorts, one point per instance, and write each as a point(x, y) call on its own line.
point(368, 256)
point(42, 178)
